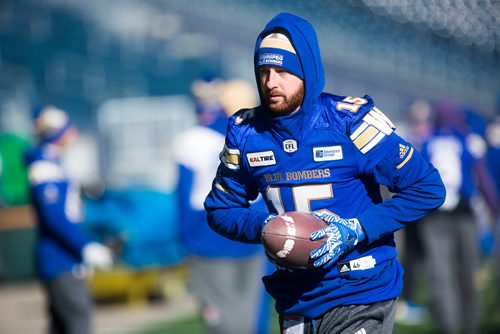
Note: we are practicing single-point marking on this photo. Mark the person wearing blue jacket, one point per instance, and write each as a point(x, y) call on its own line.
point(311, 151)
point(450, 235)
point(224, 274)
point(64, 255)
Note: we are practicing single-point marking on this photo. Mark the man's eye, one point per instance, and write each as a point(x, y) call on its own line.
point(282, 72)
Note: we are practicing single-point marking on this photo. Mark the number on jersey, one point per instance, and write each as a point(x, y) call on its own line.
point(351, 104)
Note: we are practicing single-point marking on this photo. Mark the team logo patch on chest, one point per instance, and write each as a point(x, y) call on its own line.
point(290, 145)
point(259, 159)
point(328, 153)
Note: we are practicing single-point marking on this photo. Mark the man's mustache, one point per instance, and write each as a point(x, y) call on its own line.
point(274, 93)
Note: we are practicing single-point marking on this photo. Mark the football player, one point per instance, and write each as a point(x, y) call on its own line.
point(307, 150)
point(64, 254)
point(460, 156)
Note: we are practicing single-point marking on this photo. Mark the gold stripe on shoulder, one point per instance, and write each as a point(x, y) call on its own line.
point(366, 136)
point(232, 158)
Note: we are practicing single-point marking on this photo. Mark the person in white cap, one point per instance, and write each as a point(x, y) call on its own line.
point(64, 254)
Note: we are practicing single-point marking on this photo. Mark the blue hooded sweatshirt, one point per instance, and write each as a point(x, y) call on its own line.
point(333, 153)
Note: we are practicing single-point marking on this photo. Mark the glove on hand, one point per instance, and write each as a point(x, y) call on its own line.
point(96, 255)
point(271, 216)
point(343, 235)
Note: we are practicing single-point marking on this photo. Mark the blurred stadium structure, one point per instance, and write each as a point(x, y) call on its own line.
point(78, 54)
point(123, 69)
point(139, 131)
point(115, 65)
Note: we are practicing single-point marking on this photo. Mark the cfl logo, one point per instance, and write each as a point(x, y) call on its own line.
point(290, 145)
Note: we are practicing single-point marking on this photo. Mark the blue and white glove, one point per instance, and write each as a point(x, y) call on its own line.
point(97, 255)
point(343, 235)
point(271, 216)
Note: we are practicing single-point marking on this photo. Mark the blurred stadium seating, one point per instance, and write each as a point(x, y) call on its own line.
point(112, 64)
point(78, 54)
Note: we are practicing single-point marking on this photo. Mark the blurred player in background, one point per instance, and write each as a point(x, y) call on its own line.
point(225, 274)
point(450, 234)
point(307, 150)
point(412, 254)
point(64, 255)
point(493, 140)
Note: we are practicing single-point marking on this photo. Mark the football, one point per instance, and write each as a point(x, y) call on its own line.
point(286, 239)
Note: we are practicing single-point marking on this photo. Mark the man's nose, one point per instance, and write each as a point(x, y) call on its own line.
point(272, 79)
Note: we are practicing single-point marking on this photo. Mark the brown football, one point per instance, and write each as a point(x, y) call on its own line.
point(286, 239)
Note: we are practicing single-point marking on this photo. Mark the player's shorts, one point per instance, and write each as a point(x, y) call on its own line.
point(352, 319)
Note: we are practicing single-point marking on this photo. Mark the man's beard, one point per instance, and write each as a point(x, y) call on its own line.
point(287, 105)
